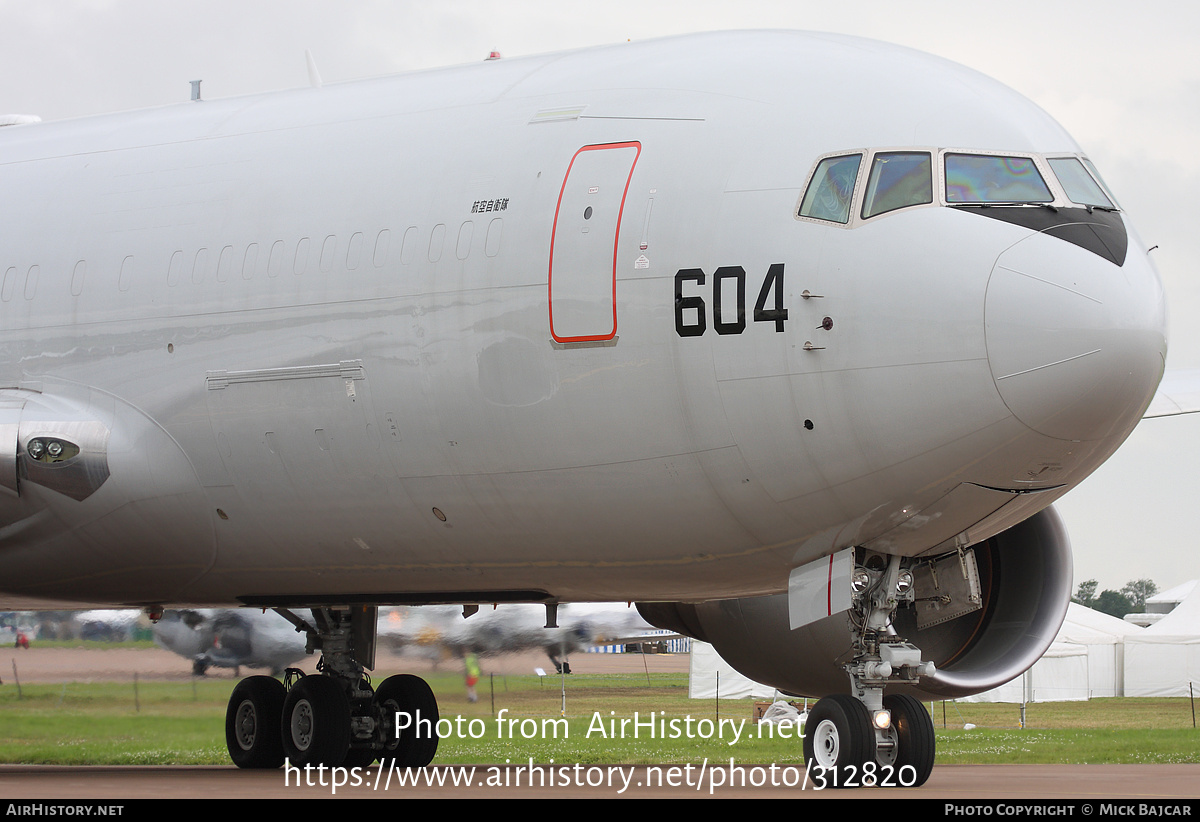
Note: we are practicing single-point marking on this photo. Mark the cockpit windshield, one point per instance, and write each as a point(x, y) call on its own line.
point(1096, 176)
point(858, 186)
point(831, 191)
point(1078, 183)
point(898, 179)
point(985, 178)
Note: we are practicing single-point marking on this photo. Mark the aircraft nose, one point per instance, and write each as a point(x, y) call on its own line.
point(1076, 343)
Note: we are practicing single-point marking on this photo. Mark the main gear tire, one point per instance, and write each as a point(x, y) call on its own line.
point(252, 730)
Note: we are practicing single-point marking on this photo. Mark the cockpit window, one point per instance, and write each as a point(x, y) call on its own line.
point(898, 179)
point(980, 178)
point(831, 190)
point(1080, 186)
point(1100, 180)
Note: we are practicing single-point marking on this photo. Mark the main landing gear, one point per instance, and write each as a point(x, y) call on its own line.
point(333, 717)
point(866, 738)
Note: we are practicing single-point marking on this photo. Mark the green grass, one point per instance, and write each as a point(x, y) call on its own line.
point(1118, 746)
point(183, 723)
point(158, 723)
point(95, 644)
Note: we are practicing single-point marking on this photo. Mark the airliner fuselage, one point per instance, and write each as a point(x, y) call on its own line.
point(650, 322)
point(332, 311)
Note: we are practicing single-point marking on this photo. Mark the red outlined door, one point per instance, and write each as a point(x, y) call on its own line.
point(583, 245)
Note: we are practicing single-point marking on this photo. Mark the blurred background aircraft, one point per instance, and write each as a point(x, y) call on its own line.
point(231, 638)
point(245, 637)
point(440, 632)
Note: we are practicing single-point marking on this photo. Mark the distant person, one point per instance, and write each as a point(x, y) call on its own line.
point(472, 663)
point(561, 665)
point(22, 641)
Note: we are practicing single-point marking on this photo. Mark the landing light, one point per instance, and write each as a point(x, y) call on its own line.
point(860, 580)
point(904, 582)
point(50, 449)
point(882, 719)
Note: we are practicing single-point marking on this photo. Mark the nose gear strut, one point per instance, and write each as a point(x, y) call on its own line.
point(866, 738)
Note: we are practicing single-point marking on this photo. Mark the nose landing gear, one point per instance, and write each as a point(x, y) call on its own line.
point(911, 734)
point(838, 737)
point(849, 751)
point(867, 738)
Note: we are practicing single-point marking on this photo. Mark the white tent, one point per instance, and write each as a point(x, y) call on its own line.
point(710, 675)
point(1061, 675)
point(1164, 659)
point(1104, 637)
point(1166, 601)
point(1162, 604)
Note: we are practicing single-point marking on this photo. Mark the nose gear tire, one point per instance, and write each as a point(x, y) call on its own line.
point(839, 739)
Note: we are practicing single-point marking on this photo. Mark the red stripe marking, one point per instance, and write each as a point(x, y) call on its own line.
point(829, 590)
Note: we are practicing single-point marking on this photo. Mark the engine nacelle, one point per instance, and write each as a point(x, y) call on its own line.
point(1025, 576)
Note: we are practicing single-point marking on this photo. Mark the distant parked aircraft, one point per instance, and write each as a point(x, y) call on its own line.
point(230, 638)
point(441, 630)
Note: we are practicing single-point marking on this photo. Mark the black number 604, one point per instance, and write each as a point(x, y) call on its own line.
point(726, 319)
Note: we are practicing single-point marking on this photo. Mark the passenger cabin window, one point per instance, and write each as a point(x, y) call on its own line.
point(898, 179)
point(979, 178)
point(1080, 186)
point(831, 190)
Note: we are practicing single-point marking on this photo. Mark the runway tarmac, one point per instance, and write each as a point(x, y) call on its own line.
point(953, 783)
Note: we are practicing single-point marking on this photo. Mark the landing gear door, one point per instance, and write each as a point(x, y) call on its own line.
point(947, 588)
point(583, 246)
point(820, 589)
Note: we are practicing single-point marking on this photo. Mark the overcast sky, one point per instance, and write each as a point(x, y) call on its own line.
point(1123, 78)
